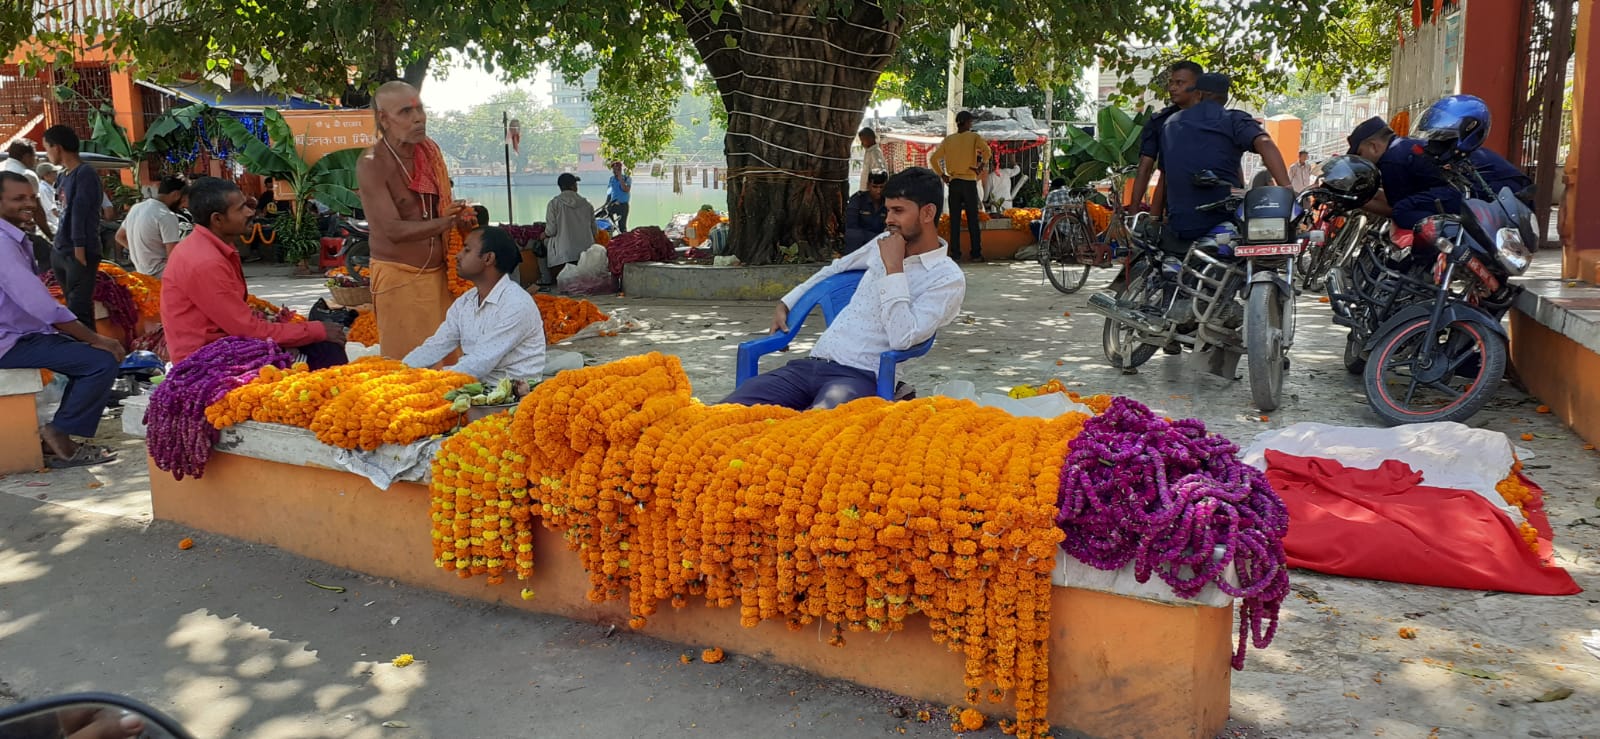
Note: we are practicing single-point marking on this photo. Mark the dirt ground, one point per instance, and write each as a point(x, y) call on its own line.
point(231, 639)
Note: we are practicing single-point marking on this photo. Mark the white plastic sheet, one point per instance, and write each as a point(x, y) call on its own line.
point(1048, 405)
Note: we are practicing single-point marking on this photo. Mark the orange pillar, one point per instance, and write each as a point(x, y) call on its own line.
point(1580, 213)
point(130, 115)
point(1285, 131)
point(1489, 70)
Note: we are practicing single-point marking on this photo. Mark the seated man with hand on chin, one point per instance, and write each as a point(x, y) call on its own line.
point(911, 289)
point(496, 324)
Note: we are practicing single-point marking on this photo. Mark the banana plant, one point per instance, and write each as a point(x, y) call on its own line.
point(331, 180)
point(1116, 144)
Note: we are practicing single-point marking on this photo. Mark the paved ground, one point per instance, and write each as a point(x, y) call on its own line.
point(230, 638)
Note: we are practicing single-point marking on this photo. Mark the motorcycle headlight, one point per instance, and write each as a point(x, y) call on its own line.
point(1267, 229)
point(1510, 252)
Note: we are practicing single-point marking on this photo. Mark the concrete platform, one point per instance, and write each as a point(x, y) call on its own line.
point(704, 282)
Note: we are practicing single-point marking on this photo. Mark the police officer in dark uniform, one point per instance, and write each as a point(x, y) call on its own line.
point(1181, 94)
point(1413, 184)
point(865, 214)
point(1208, 139)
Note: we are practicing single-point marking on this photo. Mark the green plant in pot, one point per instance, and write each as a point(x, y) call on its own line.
point(330, 181)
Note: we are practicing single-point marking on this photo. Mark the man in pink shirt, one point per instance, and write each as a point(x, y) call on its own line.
point(36, 333)
point(203, 291)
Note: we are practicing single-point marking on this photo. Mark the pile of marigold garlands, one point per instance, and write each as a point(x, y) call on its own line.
point(144, 289)
point(361, 405)
point(858, 516)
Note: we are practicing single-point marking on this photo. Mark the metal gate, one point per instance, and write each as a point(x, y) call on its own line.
point(1542, 122)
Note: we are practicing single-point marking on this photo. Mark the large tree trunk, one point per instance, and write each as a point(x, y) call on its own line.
point(796, 89)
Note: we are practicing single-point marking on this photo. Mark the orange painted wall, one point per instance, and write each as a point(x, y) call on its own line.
point(1285, 133)
point(1548, 362)
point(1488, 69)
point(1118, 666)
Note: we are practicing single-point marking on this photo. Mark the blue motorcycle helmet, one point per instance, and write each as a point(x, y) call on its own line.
point(1455, 126)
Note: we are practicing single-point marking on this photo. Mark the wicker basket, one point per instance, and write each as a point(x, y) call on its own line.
point(351, 296)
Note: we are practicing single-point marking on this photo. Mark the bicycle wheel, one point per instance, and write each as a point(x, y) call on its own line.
point(1065, 238)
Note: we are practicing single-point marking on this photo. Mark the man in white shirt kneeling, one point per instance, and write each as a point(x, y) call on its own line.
point(910, 290)
point(496, 324)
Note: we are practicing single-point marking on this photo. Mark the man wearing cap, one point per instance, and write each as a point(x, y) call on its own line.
point(568, 225)
point(619, 189)
point(1413, 185)
point(1208, 137)
point(959, 161)
point(866, 213)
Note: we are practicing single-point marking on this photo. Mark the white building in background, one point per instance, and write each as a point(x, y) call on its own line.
point(572, 97)
point(1324, 135)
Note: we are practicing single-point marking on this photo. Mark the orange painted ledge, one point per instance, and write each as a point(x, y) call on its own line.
point(1119, 666)
point(1559, 372)
point(19, 428)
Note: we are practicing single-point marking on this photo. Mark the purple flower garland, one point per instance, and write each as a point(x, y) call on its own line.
point(1178, 503)
point(178, 434)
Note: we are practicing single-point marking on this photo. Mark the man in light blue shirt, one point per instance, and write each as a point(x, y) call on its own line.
point(619, 189)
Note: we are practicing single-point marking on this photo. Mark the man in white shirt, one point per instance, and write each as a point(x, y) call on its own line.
point(496, 324)
point(872, 158)
point(47, 193)
point(999, 184)
point(910, 290)
point(152, 230)
point(1301, 173)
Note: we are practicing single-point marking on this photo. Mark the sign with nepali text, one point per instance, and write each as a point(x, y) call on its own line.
point(318, 133)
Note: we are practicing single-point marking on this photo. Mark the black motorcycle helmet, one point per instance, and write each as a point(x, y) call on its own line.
point(1351, 180)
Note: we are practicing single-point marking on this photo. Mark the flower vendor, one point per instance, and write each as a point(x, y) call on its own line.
point(405, 193)
point(38, 333)
point(910, 290)
point(864, 214)
point(203, 295)
point(496, 324)
point(568, 225)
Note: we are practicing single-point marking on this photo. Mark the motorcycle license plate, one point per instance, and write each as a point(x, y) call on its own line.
point(1267, 250)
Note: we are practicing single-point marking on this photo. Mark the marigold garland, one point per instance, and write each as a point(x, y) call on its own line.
point(1022, 218)
point(144, 289)
point(365, 329)
point(361, 405)
point(268, 311)
point(564, 317)
point(1526, 499)
point(944, 223)
point(453, 241)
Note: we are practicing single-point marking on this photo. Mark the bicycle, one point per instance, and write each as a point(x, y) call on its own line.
point(1070, 245)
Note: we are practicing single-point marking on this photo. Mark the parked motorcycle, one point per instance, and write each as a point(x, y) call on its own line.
point(88, 716)
point(354, 249)
point(1348, 183)
point(1196, 302)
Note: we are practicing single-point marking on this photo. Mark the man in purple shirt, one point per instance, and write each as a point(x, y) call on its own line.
point(38, 333)
point(76, 260)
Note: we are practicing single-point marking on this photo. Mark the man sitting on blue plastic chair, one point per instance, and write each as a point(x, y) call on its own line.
point(910, 289)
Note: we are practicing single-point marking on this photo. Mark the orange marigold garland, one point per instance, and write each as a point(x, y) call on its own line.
point(361, 405)
point(365, 329)
point(270, 312)
point(1022, 218)
point(1526, 499)
point(145, 290)
point(564, 317)
point(453, 241)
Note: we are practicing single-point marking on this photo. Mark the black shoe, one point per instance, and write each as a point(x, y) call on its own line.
point(976, 258)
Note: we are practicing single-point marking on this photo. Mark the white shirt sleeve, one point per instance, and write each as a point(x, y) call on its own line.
point(167, 224)
point(854, 260)
point(442, 342)
point(910, 323)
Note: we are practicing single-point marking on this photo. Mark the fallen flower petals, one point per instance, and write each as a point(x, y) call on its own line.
point(1542, 409)
point(712, 656)
point(971, 719)
point(186, 543)
point(1406, 632)
point(1527, 437)
point(404, 660)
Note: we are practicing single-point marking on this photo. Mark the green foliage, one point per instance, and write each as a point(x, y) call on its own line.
point(296, 238)
point(108, 137)
point(920, 76)
point(1114, 145)
point(331, 180)
point(475, 137)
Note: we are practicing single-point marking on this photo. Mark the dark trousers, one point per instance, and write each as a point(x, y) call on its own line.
point(806, 383)
point(42, 251)
point(619, 213)
point(77, 283)
point(89, 372)
point(964, 200)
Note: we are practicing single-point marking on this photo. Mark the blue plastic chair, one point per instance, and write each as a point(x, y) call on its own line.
point(833, 294)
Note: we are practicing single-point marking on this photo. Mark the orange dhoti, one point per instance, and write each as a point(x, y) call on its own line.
point(408, 304)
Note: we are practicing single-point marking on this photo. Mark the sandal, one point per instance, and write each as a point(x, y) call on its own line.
point(83, 456)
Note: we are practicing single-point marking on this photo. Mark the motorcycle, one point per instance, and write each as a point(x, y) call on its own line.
point(1379, 280)
point(88, 716)
point(354, 250)
point(1194, 302)
point(1442, 355)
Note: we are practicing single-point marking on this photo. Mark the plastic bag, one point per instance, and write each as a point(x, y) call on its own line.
point(46, 401)
point(591, 275)
point(619, 322)
point(1046, 405)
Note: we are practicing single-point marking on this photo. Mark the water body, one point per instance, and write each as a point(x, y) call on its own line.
point(653, 204)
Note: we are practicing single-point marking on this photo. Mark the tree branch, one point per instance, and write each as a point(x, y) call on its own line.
point(710, 40)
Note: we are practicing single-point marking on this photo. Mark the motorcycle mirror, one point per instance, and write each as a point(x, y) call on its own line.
point(88, 716)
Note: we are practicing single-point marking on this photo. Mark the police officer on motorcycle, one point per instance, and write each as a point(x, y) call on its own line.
point(1201, 148)
point(1414, 186)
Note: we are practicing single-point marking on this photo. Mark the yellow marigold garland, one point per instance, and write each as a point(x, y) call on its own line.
point(361, 405)
point(365, 329)
point(859, 516)
point(273, 312)
point(1022, 218)
point(944, 223)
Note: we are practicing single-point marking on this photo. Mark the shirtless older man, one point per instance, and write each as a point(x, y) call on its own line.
point(405, 192)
